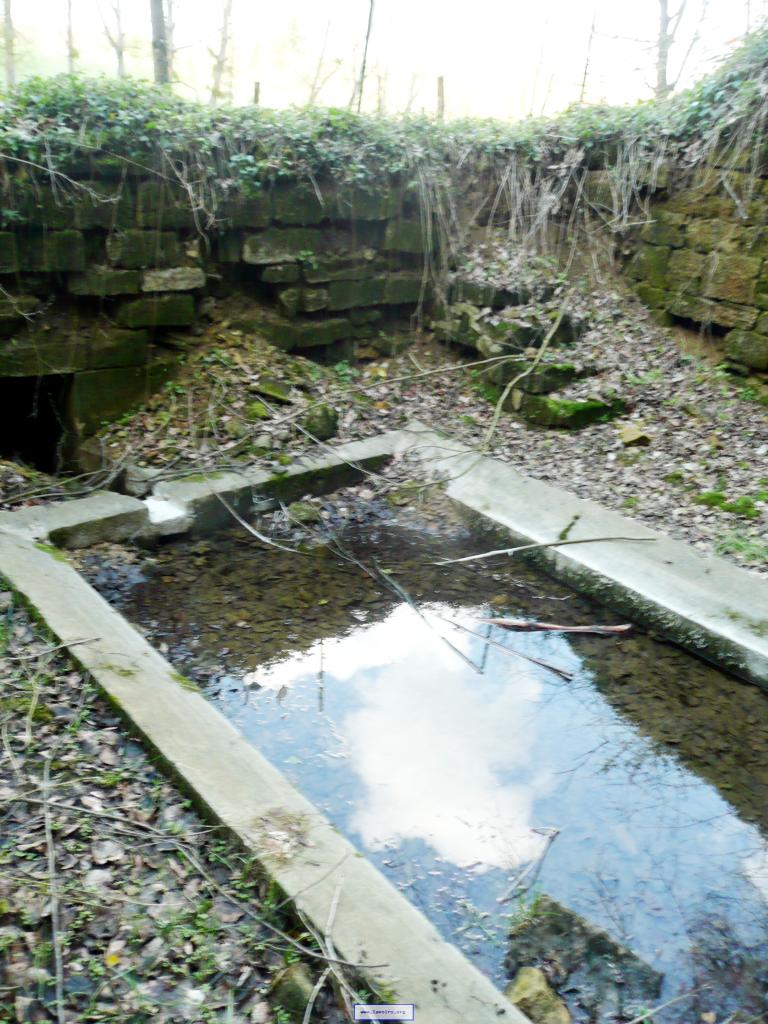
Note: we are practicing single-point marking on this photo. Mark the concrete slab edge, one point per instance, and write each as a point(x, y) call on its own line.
point(711, 607)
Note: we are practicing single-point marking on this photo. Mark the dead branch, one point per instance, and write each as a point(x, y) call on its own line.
point(562, 672)
point(533, 547)
point(524, 626)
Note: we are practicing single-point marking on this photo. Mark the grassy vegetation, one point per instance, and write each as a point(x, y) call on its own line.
point(57, 121)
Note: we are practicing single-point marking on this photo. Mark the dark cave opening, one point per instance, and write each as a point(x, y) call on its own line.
point(32, 420)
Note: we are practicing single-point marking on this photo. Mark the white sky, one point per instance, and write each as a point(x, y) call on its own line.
point(500, 58)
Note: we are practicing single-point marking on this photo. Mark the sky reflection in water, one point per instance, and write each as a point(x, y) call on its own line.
point(444, 775)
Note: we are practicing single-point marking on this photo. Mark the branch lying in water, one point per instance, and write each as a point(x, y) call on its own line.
point(524, 626)
point(531, 547)
point(562, 672)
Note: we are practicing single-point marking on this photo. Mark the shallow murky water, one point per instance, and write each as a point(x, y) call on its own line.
point(633, 794)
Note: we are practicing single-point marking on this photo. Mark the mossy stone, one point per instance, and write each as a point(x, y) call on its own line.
point(296, 203)
point(322, 422)
point(650, 264)
point(158, 311)
point(705, 311)
point(656, 298)
point(665, 229)
point(530, 992)
point(102, 281)
point(256, 411)
point(135, 249)
point(568, 413)
point(281, 273)
point(407, 237)
point(732, 278)
point(281, 245)
point(685, 270)
point(9, 257)
point(749, 348)
point(704, 235)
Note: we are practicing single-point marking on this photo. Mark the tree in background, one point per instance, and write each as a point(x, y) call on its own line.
point(71, 51)
point(220, 59)
point(668, 28)
point(116, 37)
point(361, 80)
point(159, 43)
point(9, 37)
point(170, 31)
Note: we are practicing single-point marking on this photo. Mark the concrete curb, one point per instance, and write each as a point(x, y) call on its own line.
point(708, 605)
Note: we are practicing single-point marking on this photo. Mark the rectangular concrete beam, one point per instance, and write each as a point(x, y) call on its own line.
point(81, 522)
point(708, 605)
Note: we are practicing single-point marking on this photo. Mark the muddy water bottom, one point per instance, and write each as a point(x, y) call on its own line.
point(624, 809)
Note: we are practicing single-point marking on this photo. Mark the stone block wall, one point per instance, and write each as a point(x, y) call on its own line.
point(703, 258)
point(96, 276)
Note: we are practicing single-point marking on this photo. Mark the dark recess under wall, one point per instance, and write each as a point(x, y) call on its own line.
point(32, 425)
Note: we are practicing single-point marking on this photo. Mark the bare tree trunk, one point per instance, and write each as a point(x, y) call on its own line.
point(10, 46)
point(365, 57)
point(220, 58)
point(585, 76)
point(663, 47)
point(170, 28)
point(116, 39)
point(319, 80)
point(159, 43)
point(440, 98)
point(71, 52)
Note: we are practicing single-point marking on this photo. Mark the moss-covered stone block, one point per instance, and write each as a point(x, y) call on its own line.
point(301, 204)
point(749, 348)
point(566, 413)
point(357, 204)
point(407, 236)
point(136, 249)
point(656, 298)
point(246, 211)
point(160, 205)
point(105, 206)
point(322, 422)
point(650, 264)
point(666, 228)
point(9, 256)
point(102, 281)
point(14, 309)
point(732, 278)
point(705, 311)
point(282, 245)
point(364, 292)
point(404, 288)
point(113, 346)
point(291, 990)
point(51, 251)
point(97, 397)
point(685, 271)
point(342, 267)
point(289, 334)
point(302, 300)
point(281, 273)
point(481, 294)
point(158, 311)
point(173, 279)
point(704, 235)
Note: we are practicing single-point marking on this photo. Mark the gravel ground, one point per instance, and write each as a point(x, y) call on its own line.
point(159, 916)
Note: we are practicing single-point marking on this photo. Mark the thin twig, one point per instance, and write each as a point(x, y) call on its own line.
point(58, 960)
point(51, 650)
point(646, 1014)
point(532, 547)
